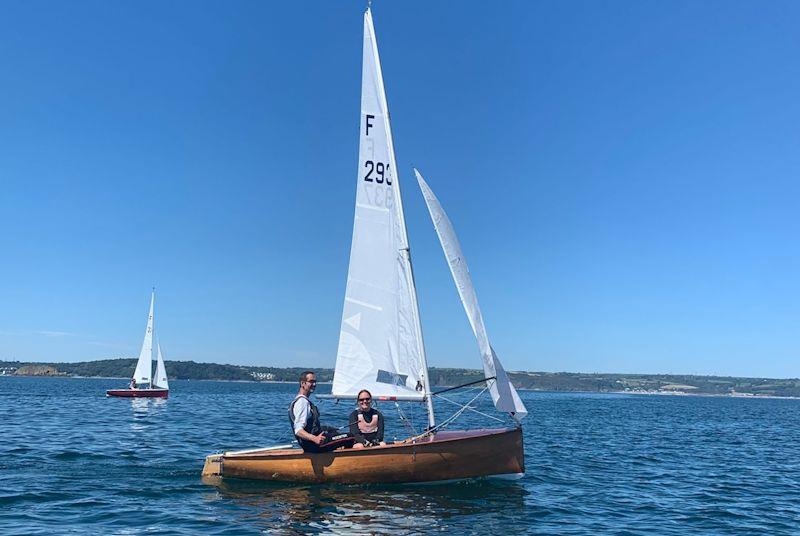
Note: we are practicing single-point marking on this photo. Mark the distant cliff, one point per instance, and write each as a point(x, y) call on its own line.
point(38, 370)
point(540, 381)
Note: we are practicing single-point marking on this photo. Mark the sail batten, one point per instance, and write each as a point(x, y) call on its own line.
point(504, 395)
point(380, 341)
point(144, 366)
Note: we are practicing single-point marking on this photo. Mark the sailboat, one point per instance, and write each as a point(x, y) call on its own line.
point(158, 385)
point(381, 347)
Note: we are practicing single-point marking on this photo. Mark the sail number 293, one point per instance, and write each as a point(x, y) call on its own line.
point(377, 172)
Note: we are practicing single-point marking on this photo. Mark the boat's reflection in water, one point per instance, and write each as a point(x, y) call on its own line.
point(144, 409)
point(376, 509)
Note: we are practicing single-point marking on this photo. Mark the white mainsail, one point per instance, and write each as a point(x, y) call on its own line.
point(380, 343)
point(504, 395)
point(160, 379)
point(144, 366)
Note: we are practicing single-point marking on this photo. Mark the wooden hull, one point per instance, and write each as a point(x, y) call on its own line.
point(139, 393)
point(447, 456)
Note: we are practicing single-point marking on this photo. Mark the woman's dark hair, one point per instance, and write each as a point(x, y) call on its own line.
point(363, 391)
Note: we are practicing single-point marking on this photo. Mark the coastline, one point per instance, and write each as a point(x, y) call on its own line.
point(558, 382)
point(716, 395)
point(521, 389)
point(127, 378)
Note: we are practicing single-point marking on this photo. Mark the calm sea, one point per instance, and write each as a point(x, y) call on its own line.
point(74, 461)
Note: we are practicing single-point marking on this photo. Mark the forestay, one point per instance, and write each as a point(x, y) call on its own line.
point(504, 395)
point(144, 366)
point(160, 379)
point(380, 343)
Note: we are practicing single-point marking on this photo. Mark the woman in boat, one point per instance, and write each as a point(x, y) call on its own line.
point(366, 422)
point(133, 384)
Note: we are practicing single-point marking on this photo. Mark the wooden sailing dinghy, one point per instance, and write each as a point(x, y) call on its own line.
point(447, 455)
point(380, 342)
point(158, 386)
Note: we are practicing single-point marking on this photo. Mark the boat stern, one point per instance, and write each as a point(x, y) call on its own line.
point(213, 465)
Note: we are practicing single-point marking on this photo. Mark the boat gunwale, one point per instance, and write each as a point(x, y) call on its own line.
point(349, 452)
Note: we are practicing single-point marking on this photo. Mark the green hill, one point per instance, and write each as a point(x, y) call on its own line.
point(540, 381)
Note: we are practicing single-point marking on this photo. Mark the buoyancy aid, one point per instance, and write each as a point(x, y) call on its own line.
point(368, 427)
point(312, 425)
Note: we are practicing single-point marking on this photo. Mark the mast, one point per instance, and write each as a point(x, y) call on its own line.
point(423, 357)
point(405, 249)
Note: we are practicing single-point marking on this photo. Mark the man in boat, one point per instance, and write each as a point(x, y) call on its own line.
point(133, 384)
point(304, 416)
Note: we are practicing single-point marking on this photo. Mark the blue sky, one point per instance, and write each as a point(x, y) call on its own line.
point(623, 177)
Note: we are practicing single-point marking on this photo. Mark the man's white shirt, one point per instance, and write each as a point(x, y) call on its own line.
point(301, 409)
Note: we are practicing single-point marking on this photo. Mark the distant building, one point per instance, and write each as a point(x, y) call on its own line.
point(8, 371)
point(263, 376)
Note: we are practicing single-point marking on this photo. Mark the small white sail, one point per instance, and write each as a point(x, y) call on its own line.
point(160, 379)
point(145, 364)
point(380, 343)
point(503, 393)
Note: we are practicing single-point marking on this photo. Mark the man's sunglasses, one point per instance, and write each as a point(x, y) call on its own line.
point(310, 381)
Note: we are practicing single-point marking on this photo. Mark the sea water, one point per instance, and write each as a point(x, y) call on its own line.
point(74, 461)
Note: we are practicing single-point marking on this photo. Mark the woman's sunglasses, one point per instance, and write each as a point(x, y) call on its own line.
point(364, 399)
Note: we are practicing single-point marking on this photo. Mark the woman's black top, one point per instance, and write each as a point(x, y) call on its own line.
point(358, 432)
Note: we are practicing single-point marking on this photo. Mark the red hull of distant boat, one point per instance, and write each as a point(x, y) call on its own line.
point(139, 393)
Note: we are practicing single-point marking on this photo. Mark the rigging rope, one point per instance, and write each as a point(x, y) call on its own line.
point(448, 421)
point(471, 409)
point(489, 383)
point(405, 419)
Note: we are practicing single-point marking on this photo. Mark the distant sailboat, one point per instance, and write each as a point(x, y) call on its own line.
point(158, 386)
point(380, 343)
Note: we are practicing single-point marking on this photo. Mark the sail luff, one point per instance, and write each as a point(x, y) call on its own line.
point(504, 395)
point(144, 366)
point(405, 249)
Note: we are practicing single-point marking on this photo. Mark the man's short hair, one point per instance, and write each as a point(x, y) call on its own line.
point(304, 375)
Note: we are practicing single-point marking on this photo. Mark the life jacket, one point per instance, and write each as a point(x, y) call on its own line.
point(368, 427)
point(312, 425)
